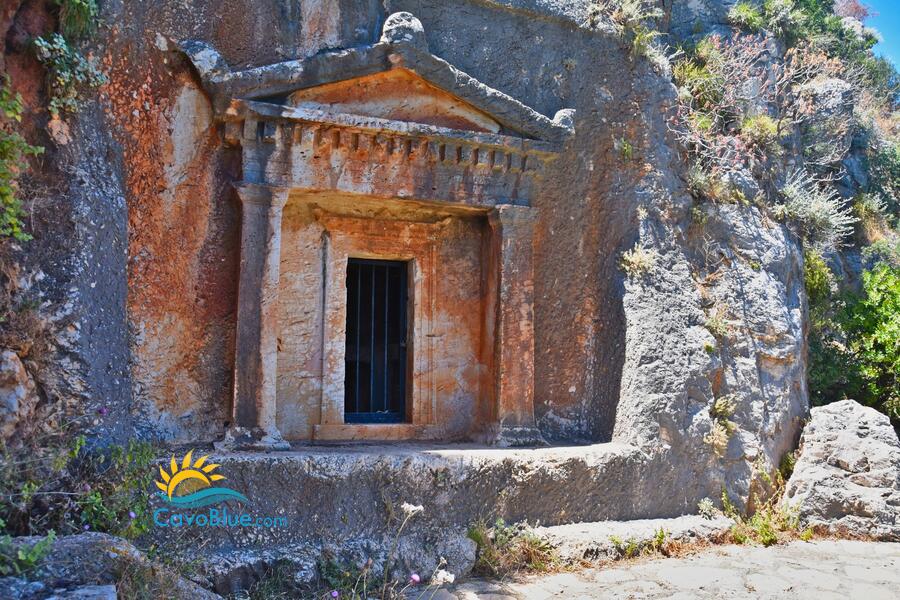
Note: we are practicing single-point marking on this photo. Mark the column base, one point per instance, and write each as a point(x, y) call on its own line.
point(512, 436)
point(257, 438)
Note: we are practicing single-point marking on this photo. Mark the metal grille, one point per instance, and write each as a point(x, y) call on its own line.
point(375, 386)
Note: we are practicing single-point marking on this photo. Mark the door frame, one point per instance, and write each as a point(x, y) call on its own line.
point(378, 239)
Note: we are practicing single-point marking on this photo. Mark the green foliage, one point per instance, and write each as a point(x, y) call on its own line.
point(504, 549)
point(885, 251)
point(701, 83)
point(785, 19)
point(821, 216)
point(25, 558)
point(762, 132)
point(632, 548)
point(769, 524)
point(873, 327)
point(77, 18)
point(746, 16)
point(62, 487)
point(819, 279)
point(638, 261)
point(14, 152)
point(634, 19)
point(854, 339)
point(625, 148)
point(68, 71)
point(883, 168)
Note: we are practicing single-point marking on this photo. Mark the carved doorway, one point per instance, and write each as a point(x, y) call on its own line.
point(375, 357)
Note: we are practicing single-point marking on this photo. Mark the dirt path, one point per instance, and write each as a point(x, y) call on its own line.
point(819, 570)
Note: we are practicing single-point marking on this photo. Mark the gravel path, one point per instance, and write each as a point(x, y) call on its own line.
point(819, 570)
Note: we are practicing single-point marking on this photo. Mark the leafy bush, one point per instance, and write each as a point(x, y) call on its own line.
point(504, 549)
point(746, 16)
point(67, 72)
point(762, 132)
point(77, 18)
point(633, 18)
point(14, 151)
point(639, 260)
point(56, 485)
point(883, 168)
point(24, 559)
point(784, 19)
point(854, 340)
point(886, 250)
point(817, 211)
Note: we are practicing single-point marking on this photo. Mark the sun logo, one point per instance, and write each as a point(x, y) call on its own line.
point(198, 472)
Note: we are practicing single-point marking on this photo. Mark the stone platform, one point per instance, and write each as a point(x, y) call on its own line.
point(350, 500)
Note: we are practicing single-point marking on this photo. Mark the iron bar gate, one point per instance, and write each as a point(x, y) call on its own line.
point(375, 386)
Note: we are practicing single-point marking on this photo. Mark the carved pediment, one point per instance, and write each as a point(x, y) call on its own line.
point(388, 120)
point(395, 79)
point(397, 95)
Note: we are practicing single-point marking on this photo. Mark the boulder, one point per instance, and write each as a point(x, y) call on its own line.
point(18, 397)
point(847, 479)
point(87, 565)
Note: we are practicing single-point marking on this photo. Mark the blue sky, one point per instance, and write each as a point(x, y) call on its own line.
point(887, 21)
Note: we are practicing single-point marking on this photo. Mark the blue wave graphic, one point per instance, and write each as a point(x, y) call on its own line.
point(205, 497)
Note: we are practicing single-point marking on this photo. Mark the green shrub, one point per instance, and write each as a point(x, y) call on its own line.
point(24, 559)
point(761, 131)
point(784, 19)
point(639, 261)
point(14, 153)
point(504, 549)
point(886, 250)
point(819, 279)
point(746, 16)
point(68, 71)
point(698, 80)
point(77, 18)
point(873, 327)
point(820, 215)
point(883, 168)
point(854, 341)
point(57, 485)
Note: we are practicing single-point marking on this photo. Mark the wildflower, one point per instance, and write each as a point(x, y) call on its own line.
point(102, 411)
point(87, 527)
point(335, 593)
point(411, 509)
point(131, 514)
point(414, 578)
point(442, 577)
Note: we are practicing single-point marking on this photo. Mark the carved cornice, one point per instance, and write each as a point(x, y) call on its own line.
point(398, 48)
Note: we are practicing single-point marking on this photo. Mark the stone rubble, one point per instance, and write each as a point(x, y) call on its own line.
point(847, 479)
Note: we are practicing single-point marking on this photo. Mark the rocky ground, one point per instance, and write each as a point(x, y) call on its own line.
point(820, 570)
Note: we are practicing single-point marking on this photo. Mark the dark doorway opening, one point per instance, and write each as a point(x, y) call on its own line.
point(375, 362)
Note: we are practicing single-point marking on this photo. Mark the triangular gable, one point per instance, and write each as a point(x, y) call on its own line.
point(398, 95)
point(399, 67)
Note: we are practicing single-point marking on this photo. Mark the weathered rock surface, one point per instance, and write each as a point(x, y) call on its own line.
point(626, 361)
point(90, 563)
point(847, 479)
point(600, 541)
point(18, 396)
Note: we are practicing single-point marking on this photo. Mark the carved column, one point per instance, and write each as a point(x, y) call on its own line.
point(513, 256)
point(256, 344)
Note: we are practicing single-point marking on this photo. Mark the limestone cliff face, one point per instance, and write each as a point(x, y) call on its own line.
point(616, 358)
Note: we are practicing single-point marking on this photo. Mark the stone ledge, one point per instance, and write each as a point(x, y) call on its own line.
point(578, 542)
